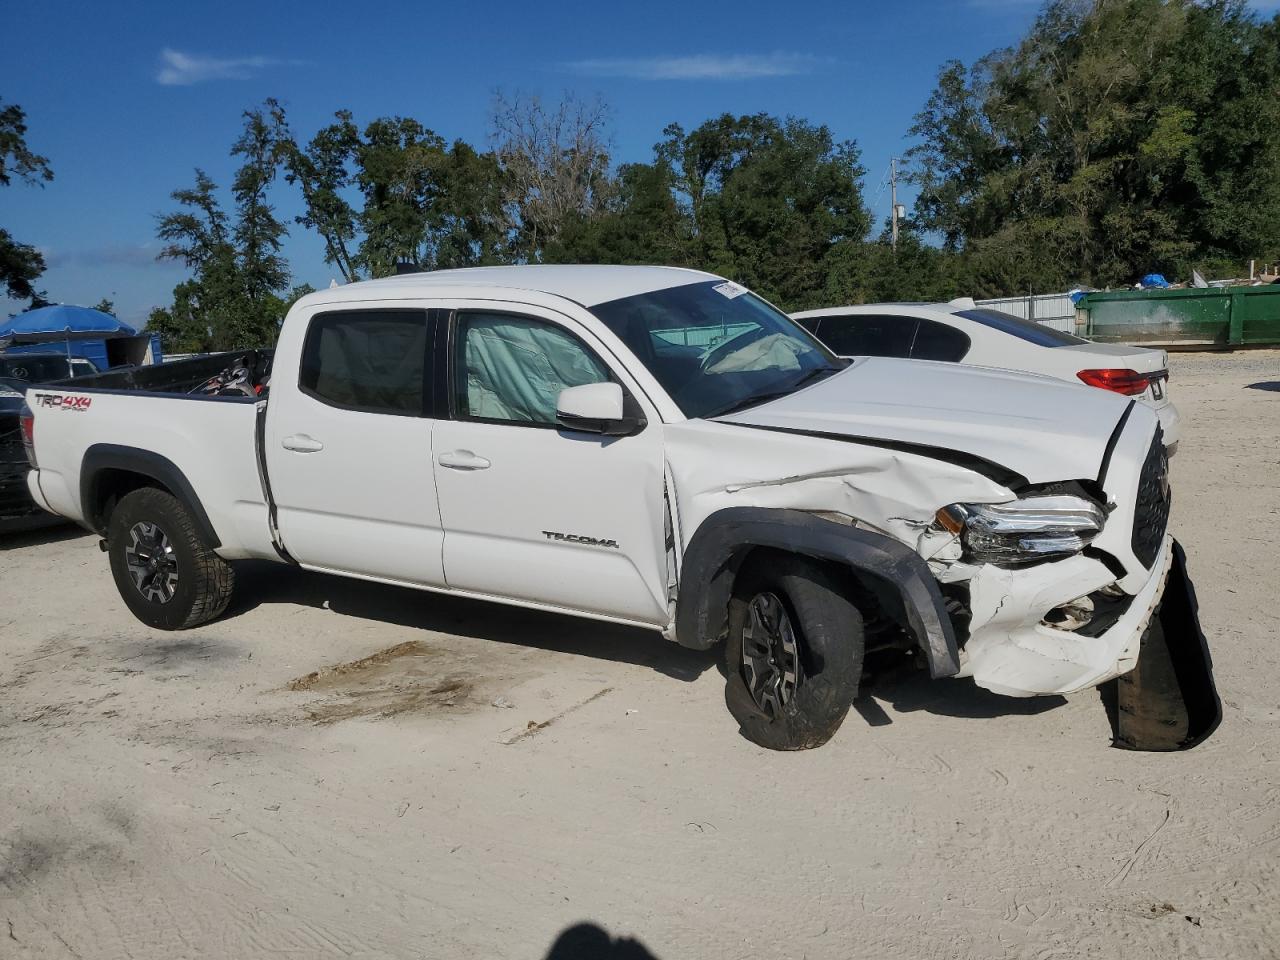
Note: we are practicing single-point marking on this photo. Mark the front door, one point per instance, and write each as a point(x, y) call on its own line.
point(532, 511)
point(348, 447)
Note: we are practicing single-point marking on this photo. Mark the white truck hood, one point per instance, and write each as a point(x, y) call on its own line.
point(1042, 429)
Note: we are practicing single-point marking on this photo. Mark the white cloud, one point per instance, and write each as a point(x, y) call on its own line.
point(700, 66)
point(179, 69)
point(111, 255)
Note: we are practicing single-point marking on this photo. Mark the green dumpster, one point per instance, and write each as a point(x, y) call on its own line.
point(1217, 316)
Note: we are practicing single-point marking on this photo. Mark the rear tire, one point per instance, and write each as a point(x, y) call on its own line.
point(167, 575)
point(793, 658)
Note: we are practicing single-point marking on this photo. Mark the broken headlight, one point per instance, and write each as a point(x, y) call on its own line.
point(1023, 531)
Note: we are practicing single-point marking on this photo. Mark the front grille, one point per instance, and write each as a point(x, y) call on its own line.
point(1151, 507)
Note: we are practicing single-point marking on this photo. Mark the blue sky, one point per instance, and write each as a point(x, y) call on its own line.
point(125, 99)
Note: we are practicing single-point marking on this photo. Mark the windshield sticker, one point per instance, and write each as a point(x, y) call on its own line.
point(729, 289)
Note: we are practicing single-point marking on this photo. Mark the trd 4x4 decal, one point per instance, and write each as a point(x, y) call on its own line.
point(63, 403)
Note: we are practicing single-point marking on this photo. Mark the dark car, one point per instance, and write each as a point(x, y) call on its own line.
point(18, 372)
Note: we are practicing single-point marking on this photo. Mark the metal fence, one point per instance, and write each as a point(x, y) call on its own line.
point(1052, 309)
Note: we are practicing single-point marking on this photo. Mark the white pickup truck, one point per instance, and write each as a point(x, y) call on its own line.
point(658, 447)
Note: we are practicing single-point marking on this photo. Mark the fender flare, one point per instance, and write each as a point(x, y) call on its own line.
point(899, 577)
point(101, 457)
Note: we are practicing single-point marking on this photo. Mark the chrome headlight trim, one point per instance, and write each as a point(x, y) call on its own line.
point(1026, 530)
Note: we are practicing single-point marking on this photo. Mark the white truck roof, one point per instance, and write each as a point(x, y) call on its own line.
point(586, 284)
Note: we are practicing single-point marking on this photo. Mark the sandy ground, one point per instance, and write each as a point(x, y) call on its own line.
point(344, 770)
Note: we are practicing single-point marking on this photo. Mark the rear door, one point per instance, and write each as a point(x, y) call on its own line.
point(348, 445)
point(531, 511)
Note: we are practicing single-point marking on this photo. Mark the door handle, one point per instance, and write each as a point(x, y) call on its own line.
point(462, 460)
point(301, 443)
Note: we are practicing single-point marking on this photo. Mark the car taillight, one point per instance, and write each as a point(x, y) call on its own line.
point(1129, 382)
point(27, 426)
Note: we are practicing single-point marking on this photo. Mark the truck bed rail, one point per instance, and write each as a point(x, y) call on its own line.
point(179, 377)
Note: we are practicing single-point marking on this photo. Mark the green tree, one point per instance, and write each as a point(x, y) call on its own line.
point(1118, 137)
point(420, 201)
point(257, 233)
point(873, 272)
point(235, 297)
point(207, 310)
point(322, 172)
point(21, 264)
point(554, 161)
point(641, 222)
point(769, 200)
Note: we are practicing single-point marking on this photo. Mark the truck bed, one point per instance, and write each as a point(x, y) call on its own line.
point(169, 413)
point(180, 377)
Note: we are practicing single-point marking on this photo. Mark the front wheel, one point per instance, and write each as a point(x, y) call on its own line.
point(793, 658)
point(167, 575)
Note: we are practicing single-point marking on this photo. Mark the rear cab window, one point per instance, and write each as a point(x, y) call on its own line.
point(372, 361)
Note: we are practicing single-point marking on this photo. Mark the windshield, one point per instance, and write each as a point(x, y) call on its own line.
point(715, 347)
point(1028, 330)
point(33, 369)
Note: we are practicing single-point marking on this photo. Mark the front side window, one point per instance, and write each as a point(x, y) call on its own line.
point(511, 369)
point(366, 360)
point(869, 335)
point(716, 347)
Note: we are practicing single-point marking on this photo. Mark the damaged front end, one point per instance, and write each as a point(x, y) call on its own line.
point(1062, 594)
point(1034, 586)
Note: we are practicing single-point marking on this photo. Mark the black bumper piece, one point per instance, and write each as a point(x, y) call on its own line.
point(1169, 700)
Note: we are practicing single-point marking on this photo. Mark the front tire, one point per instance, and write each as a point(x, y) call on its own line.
point(793, 658)
point(167, 575)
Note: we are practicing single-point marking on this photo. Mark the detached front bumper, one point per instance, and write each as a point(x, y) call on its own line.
point(1013, 651)
point(18, 510)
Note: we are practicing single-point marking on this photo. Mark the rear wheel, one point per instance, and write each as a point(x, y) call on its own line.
point(167, 575)
point(794, 653)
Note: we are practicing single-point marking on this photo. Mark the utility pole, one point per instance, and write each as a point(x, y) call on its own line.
point(893, 200)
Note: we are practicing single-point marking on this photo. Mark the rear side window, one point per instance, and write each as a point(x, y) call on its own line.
point(367, 360)
point(937, 341)
point(1028, 330)
point(868, 335)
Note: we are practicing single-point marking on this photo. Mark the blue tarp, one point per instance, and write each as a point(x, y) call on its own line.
point(62, 323)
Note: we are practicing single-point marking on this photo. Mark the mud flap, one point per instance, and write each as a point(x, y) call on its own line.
point(1168, 701)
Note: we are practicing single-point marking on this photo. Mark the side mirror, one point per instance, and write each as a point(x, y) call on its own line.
point(596, 408)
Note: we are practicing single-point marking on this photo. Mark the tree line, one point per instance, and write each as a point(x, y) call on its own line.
point(1117, 138)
